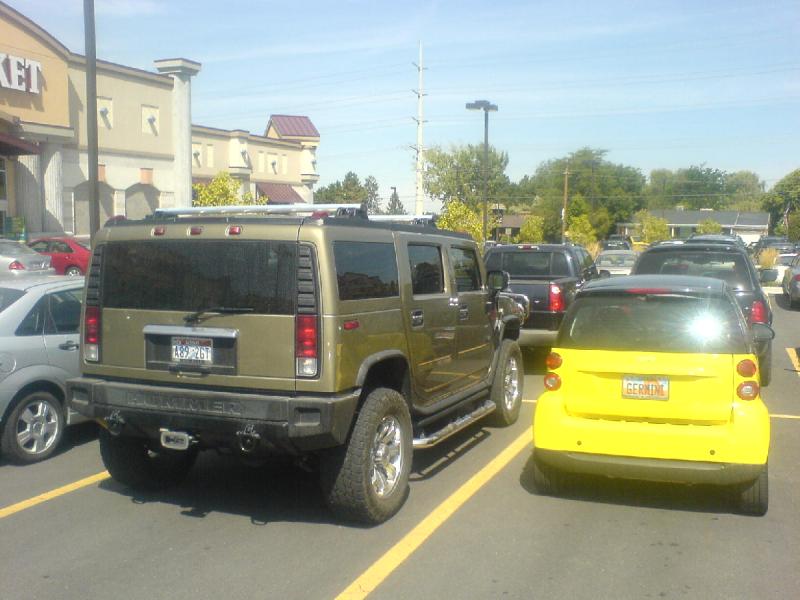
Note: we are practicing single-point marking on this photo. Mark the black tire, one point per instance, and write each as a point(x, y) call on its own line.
point(348, 475)
point(547, 481)
point(132, 462)
point(33, 429)
point(765, 367)
point(792, 302)
point(73, 271)
point(754, 499)
point(510, 372)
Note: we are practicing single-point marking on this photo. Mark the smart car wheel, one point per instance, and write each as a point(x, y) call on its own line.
point(547, 481)
point(367, 480)
point(754, 499)
point(33, 428)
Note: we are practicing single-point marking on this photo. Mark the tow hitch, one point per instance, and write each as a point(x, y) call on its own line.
point(175, 440)
point(248, 438)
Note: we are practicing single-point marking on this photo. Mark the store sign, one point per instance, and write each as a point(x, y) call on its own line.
point(21, 74)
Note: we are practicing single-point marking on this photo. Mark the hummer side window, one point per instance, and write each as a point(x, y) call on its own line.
point(365, 270)
point(465, 267)
point(427, 275)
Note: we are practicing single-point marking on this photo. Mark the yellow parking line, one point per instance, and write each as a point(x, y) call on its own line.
point(66, 489)
point(397, 554)
point(785, 416)
point(529, 401)
point(795, 362)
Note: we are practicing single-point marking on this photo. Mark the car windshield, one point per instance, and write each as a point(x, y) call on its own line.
point(786, 260)
point(529, 264)
point(654, 323)
point(616, 260)
point(11, 248)
point(8, 296)
point(728, 266)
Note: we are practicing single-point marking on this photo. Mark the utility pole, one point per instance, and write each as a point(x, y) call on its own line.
point(564, 209)
point(419, 206)
point(91, 117)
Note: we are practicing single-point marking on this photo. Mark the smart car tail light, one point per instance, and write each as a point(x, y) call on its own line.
point(556, 298)
point(552, 381)
point(553, 361)
point(747, 390)
point(758, 312)
point(746, 368)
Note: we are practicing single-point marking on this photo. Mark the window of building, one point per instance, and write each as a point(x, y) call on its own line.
point(365, 270)
point(150, 123)
point(427, 275)
point(465, 267)
point(197, 154)
point(284, 164)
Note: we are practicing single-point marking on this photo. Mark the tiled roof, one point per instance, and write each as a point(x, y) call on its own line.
point(279, 193)
point(293, 126)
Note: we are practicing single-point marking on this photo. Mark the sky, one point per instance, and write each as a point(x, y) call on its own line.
point(657, 84)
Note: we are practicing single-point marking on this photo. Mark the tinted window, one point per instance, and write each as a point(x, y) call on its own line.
point(559, 267)
point(194, 275)
point(653, 323)
point(65, 312)
point(530, 264)
point(730, 267)
point(41, 246)
point(33, 323)
point(365, 270)
point(465, 268)
point(427, 276)
point(8, 297)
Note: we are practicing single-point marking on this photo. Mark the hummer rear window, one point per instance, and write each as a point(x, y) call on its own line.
point(193, 275)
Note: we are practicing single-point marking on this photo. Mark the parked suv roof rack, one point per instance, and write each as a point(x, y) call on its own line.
point(264, 209)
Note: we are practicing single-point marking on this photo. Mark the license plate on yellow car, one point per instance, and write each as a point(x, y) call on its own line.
point(645, 388)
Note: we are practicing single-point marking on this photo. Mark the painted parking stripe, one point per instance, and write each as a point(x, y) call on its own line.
point(784, 416)
point(795, 362)
point(66, 489)
point(397, 554)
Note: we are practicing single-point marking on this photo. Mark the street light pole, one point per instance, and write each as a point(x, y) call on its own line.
point(486, 107)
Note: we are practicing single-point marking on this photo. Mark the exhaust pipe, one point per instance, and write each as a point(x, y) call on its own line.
point(114, 423)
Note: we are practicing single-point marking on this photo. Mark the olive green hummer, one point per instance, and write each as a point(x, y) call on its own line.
point(307, 330)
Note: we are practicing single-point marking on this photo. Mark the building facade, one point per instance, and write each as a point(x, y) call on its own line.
point(149, 151)
point(750, 226)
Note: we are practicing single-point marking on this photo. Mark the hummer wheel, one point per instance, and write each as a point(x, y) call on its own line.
point(367, 480)
point(507, 385)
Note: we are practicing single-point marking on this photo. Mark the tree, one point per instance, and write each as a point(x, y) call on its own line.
point(654, 229)
point(457, 216)
point(395, 207)
point(532, 230)
point(223, 190)
point(783, 198)
point(458, 175)
point(793, 230)
point(372, 200)
point(580, 231)
point(348, 191)
point(708, 226)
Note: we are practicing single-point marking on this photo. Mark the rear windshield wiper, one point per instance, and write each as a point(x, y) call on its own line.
point(215, 310)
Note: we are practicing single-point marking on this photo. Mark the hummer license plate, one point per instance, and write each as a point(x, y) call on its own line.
point(645, 388)
point(192, 349)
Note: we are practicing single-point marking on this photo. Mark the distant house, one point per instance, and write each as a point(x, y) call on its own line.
point(509, 226)
point(683, 223)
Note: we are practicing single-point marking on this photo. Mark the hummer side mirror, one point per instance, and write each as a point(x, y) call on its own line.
point(497, 280)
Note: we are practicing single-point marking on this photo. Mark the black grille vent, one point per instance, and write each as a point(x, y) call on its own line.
point(93, 288)
point(306, 280)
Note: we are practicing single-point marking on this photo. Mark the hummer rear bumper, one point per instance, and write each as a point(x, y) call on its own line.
point(282, 423)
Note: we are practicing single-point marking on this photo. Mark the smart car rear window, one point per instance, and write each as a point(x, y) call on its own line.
point(8, 296)
point(654, 323)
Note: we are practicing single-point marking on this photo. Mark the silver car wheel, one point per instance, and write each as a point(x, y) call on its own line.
point(387, 456)
point(511, 383)
point(38, 427)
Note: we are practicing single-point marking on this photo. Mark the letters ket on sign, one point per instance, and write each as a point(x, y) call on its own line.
point(20, 74)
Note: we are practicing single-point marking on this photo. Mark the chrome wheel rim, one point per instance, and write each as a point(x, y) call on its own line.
point(38, 427)
point(387, 456)
point(73, 272)
point(511, 383)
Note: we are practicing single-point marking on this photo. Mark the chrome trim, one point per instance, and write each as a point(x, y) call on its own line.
point(217, 332)
point(454, 426)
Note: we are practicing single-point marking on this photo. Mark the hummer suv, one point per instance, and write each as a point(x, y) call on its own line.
point(314, 332)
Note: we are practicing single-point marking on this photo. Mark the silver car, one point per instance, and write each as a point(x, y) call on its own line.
point(17, 259)
point(791, 282)
point(615, 262)
point(39, 341)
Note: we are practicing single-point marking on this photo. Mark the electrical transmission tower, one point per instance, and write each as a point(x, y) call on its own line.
point(419, 206)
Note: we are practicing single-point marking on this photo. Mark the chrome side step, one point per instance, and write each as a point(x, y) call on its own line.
point(454, 426)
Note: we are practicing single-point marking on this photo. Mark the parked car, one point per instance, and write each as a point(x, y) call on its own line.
point(656, 378)
point(350, 342)
point(730, 263)
point(549, 275)
point(781, 244)
point(782, 264)
point(39, 335)
point(791, 282)
point(17, 259)
point(615, 262)
point(716, 238)
point(616, 245)
point(67, 255)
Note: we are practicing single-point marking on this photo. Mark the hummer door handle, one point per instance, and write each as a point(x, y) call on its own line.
point(417, 318)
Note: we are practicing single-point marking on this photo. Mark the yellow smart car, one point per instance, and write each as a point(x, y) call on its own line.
point(655, 378)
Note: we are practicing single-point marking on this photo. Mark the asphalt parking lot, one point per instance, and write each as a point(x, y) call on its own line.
point(472, 526)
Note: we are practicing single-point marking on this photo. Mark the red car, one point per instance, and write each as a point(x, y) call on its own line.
point(69, 256)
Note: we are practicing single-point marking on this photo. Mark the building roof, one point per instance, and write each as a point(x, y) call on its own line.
point(279, 193)
point(726, 218)
point(293, 126)
point(513, 221)
point(11, 145)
